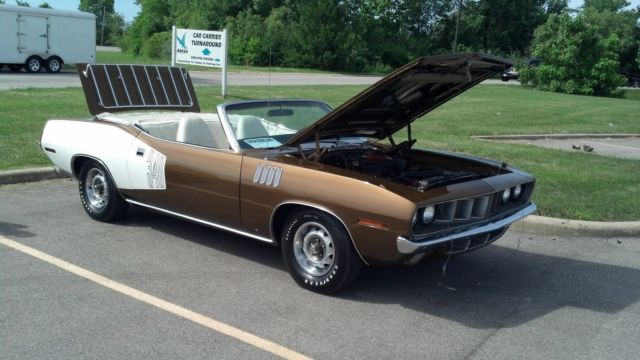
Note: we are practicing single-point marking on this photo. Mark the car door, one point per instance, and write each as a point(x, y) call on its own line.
point(190, 180)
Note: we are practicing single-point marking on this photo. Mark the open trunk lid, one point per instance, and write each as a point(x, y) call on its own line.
point(117, 88)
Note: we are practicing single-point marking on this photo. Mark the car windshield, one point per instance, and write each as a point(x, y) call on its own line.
point(268, 124)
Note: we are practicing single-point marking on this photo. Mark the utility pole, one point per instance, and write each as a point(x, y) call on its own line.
point(455, 39)
point(104, 11)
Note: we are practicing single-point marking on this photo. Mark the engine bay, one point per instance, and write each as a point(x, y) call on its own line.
point(397, 166)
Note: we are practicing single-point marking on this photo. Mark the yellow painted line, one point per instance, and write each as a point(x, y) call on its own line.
point(203, 320)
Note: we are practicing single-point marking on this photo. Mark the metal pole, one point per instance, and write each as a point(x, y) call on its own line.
point(224, 64)
point(173, 45)
point(104, 11)
point(455, 39)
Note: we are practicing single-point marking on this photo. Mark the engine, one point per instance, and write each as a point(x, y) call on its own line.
point(395, 167)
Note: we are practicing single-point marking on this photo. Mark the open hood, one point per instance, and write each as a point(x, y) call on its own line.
point(116, 88)
point(403, 96)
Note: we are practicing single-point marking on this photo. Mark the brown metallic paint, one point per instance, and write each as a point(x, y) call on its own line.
point(201, 182)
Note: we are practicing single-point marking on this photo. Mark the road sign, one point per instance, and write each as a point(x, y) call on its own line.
point(202, 48)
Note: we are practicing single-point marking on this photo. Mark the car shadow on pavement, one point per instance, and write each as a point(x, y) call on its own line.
point(498, 287)
point(224, 241)
point(493, 287)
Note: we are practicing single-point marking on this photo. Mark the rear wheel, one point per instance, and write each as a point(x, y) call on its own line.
point(318, 252)
point(53, 64)
point(33, 64)
point(99, 195)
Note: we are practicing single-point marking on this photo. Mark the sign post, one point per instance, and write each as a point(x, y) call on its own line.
point(203, 48)
point(173, 46)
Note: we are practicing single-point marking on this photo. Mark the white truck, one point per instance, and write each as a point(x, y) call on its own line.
point(36, 38)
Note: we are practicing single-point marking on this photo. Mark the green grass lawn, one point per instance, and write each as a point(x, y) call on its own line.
point(570, 184)
point(107, 57)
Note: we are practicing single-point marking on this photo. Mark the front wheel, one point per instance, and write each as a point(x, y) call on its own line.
point(318, 252)
point(99, 195)
point(33, 64)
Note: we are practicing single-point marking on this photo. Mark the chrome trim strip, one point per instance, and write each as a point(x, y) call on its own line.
point(406, 246)
point(321, 209)
point(204, 222)
point(226, 126)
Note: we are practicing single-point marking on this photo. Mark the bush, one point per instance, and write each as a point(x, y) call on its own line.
point(576, 58)
point(158, 45)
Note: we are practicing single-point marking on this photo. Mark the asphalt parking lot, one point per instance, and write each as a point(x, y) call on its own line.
point(526, 296)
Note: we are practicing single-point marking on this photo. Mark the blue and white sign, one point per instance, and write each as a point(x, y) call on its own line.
point(201, 47)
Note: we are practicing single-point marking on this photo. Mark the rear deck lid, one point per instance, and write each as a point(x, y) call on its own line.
point(116, 88)
point(403, 96)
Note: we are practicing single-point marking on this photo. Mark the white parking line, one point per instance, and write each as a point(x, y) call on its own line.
point(203, 320)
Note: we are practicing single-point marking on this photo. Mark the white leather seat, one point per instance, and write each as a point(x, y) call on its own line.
point(250, 127)
point(193, 130)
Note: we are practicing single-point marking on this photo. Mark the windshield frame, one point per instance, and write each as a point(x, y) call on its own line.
point(226, 124)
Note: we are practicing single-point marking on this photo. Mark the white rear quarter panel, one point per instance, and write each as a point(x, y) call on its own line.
point(107, 143)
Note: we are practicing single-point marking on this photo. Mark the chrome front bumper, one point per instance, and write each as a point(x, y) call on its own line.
point(406, 246)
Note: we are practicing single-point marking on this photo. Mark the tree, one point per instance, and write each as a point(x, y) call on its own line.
point(576, 59)
point(610, 17)
point(22, 3)
point(45, 5)
point(108, 24)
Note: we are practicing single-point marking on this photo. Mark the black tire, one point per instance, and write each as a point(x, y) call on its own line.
point(53, 64)
point(99, 195)
point(33, 64)
point(318, 252)
point(15, 67)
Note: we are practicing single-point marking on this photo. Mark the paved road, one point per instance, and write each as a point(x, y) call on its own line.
point(565, 298)
point(68, 78)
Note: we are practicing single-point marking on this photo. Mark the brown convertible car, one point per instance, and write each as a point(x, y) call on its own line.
point(335, 189)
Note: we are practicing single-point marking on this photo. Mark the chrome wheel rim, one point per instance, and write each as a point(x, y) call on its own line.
point(313, 249)
point(96, 188)
point(54, 65)
point(34, 64)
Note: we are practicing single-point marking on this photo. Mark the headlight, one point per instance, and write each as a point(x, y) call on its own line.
point(517, 190)
point(506, 195)
point(428, 214)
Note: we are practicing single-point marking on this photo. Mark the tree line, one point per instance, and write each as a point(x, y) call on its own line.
point(579, 50)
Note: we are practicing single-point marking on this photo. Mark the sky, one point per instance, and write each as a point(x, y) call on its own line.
point(124, 7)
point(130, 10)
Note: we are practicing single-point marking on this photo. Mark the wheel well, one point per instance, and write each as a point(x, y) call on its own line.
point(280, 217)
point(76, 164)
point(57, 57)
point(283, 211)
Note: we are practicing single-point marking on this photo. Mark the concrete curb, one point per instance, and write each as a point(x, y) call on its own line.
point(31, 175)
point(532, 224)
point(564, 227)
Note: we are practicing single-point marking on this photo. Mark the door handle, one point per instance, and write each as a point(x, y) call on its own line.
point(43, 35)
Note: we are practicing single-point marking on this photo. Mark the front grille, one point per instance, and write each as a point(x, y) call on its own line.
point(463, 210)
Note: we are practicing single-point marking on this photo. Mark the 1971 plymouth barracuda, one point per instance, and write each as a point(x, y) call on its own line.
point(335, 189)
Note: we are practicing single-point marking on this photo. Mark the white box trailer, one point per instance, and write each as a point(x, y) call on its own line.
point(36, 38)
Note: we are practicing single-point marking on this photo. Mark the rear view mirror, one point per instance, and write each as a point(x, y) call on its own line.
point(280, 112)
